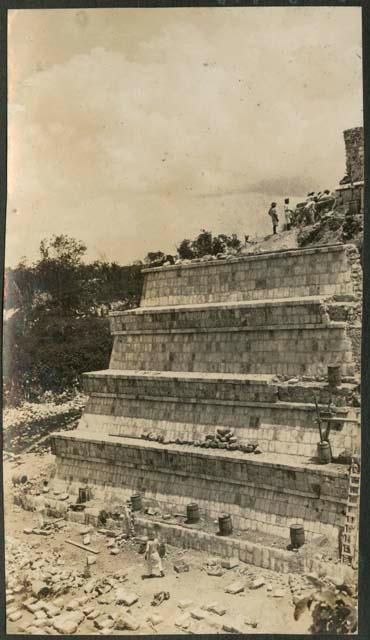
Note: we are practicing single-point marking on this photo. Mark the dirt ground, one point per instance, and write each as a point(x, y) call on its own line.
point(267, 609)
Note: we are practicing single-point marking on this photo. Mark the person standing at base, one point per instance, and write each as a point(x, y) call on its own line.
point(274, 217)
point(128, 520)
point(40, 508)
point(152, 557)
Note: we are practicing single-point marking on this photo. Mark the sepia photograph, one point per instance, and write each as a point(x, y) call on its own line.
point(182, 320)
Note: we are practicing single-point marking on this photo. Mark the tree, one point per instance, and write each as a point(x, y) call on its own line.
point(202, 245)
point(206, 244)
point(185, 250)
point(59, 275)
point(58, 331)
point(62, 249)
point(154, 257)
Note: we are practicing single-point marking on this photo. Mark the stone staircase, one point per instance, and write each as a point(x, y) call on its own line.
point(242, 343)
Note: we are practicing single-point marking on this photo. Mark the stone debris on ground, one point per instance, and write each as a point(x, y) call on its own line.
point(213, 567)
point(234, 625)
point(197, 614)
point(155, 619)
point(68, 623)
point(215, 607)
point(180, 566)
point(230, 563)
point(66, 616)
point(235, 587)
point(160, 597)
point(104, 621)
point(31, 567)
point(257, 583)
point(184, 604)
point(128, 598)
point(126, 622)
point(15, 615)
point(214, 570)
point(183, 621)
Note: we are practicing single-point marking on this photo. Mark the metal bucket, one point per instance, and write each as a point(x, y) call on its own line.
point(297, 536)
point(225, 525)
point(192, 512)
point(324, 452)
point(83, 494)
point(136, 502)
point(334, 375)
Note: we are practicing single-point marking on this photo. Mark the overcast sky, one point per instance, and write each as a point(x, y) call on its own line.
point(130, 129)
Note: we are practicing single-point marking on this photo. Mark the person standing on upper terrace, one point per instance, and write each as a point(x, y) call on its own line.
point(310, 210)
point(274, 216)
point(288, 214)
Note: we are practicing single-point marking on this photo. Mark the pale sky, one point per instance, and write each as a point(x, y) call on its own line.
point(131, 129)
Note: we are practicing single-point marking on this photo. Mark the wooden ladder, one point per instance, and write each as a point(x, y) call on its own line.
point(350, 534)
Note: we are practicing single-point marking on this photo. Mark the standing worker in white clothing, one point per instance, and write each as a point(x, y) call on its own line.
point(128, 520)
point(152, 557)
point(40, 508)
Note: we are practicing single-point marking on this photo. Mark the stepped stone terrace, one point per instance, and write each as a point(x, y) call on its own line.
point(241, 344)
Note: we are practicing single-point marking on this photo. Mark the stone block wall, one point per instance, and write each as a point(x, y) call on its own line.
point(211, 316)
point(250, 552)
point(241, 343)
point(279, 416)
point(354, 144)
point(280, 428)
point(259, 496)
point(185, 386)
point(289, 350)
point(163, 385)
point(286, 274)
point(185, 537)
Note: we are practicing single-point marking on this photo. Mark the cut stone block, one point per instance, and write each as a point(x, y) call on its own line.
point(13, 617)
point(184, 604)
point(126, 621)
point(235, 587)
point(66, 624)
point(215, 607)
point(155, 619)
point(257, 583)
point(128, 598)
point(230, 563)
point(234, 625)
point(197, 614)
point(180, 566)
point(183, 622)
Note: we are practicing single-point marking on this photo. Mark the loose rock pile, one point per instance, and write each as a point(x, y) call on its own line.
point(36, 582)
point(223, 438)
